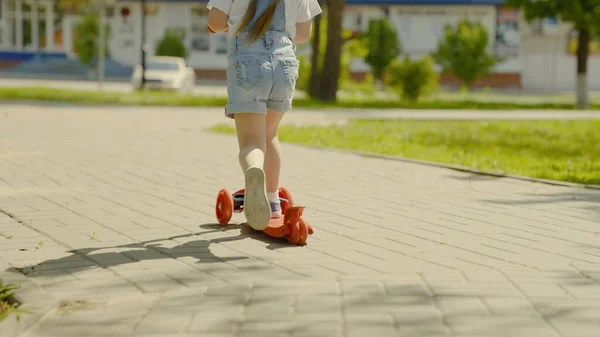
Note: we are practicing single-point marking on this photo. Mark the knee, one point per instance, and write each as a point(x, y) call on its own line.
point(252, 146)
point(271, 140)
point(270, 135)
point(256, 141)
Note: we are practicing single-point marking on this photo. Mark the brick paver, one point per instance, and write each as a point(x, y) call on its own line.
point(111, 212)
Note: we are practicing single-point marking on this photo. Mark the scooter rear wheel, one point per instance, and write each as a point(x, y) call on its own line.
point(224, 207)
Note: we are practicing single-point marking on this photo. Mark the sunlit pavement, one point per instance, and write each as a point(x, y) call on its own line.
point(110, 213)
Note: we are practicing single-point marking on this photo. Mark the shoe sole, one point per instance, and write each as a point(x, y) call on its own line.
point(256, 204)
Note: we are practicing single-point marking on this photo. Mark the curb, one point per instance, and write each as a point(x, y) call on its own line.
point(459, 168)
point(35, 301)
point(453, 167)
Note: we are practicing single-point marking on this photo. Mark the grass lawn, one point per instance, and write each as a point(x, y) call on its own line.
point(557, 150)
point(6, 291)
point(446, 101)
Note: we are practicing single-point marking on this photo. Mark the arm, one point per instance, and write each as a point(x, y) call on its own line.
point(303, 30)
point(306, 12)
point(217, 20)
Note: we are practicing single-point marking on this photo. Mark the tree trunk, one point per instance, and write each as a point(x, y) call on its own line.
point(91, 74)
point(582, 65)
point(315, 79)
point(330, 73)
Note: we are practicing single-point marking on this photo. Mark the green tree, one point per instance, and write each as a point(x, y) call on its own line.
point(171, 45)
point(584, 15)
point(413, 79)
point(383, 47)
point(464, 51)
point(86, 43)
point(312, 68)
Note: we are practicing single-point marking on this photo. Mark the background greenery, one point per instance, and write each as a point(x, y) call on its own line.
point(479, 101)
point(558, 150)
point(6, 291)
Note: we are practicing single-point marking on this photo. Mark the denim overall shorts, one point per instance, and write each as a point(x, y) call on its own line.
point(262, 74)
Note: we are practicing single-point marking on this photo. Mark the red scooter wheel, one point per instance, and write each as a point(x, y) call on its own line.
point(303, 231)
point(224, 207)
point(294, 237)
point(284, 193)
point(295, 226)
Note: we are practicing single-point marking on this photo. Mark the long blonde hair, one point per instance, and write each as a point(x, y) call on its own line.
point(262, 23)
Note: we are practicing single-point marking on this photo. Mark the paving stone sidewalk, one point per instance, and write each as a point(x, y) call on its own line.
point(111, 212)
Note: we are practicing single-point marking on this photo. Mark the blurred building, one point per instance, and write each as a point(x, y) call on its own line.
point(37, 36)
point(539, 56)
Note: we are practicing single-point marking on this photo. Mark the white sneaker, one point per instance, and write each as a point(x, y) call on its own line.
point(256, 204)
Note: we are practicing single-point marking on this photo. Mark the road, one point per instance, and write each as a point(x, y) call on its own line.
point(203, 87)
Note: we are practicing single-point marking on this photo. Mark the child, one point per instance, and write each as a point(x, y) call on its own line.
point(261, 79)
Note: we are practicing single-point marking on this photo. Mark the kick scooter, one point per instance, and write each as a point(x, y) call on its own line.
point(293, 226)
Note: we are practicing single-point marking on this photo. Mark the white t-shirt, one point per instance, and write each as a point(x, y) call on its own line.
point(297, 11)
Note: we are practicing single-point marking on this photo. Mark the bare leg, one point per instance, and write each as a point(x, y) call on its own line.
point(252, 142)
point(250, 130)
point(273, 153)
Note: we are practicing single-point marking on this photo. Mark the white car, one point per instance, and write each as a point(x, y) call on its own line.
point(165, 73)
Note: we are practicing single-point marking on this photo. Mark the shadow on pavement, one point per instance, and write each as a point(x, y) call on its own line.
point(156, 249)
point(473, 177)
point(590, 198)
point(405, 307)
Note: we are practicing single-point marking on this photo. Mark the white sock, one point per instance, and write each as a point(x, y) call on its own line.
point(274, 199)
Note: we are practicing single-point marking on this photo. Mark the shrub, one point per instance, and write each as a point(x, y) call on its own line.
point(171, 45)
point(86, 39)
point(303, 73)
point(463, 52)
point(413, 79)
point(353, 47)
point(364, 88)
